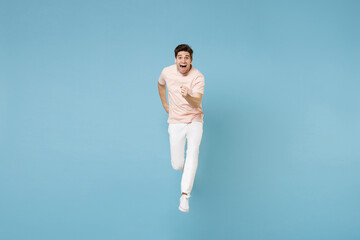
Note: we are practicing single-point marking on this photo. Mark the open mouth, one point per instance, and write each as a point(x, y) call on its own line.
point(183, 66)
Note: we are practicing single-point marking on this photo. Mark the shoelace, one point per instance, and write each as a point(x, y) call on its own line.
point(186, 196)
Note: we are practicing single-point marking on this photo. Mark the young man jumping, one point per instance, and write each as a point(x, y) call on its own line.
point(185, 90)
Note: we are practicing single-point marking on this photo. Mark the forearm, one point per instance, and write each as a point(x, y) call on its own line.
point(194, 101)
point(162, 94)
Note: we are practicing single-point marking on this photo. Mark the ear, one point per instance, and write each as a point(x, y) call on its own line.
point(191, 60)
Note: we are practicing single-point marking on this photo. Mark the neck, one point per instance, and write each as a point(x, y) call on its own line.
point(185, 74)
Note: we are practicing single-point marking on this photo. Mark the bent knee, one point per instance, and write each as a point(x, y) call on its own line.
point(178, 167)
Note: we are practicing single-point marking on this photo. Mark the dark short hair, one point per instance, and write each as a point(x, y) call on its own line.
point(183, 47)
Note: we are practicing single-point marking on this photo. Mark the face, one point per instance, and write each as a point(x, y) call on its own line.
point(183, 62)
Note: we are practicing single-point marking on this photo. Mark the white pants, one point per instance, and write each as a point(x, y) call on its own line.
point(178, 134)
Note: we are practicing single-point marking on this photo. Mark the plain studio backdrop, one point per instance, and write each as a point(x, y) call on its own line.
point(84, 148)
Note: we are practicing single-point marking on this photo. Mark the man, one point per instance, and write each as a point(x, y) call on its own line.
point(185, 90)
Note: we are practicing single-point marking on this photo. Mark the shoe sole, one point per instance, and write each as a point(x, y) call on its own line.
point(183, 210)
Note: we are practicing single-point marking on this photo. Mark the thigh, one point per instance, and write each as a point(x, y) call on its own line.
point(177, 133)
point(177, 137)
point(194, 133)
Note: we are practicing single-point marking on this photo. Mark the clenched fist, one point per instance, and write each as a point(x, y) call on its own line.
point(184, 91)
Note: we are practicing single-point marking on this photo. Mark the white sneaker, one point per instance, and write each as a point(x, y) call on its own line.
point(184, 203)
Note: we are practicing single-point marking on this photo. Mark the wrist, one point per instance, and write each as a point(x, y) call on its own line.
point(190, 92)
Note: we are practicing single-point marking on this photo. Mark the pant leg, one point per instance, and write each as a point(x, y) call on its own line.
point(177, 137)
point(194, 135)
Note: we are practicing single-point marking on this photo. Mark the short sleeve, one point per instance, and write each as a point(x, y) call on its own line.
point(199, 85)
point(162, 78)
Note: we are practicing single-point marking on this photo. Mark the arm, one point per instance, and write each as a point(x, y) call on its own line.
point(162, 93)
point(194, 99)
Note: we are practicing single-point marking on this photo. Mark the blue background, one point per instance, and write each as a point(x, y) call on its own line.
point(83, 136)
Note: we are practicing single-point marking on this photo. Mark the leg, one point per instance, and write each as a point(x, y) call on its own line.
point(177, 136)
point(194, 135)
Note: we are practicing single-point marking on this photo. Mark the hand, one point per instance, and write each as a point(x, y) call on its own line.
point(166, 107)
point(184, 91)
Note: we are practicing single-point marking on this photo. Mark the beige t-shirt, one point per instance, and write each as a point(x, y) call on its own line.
point(180, 111)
